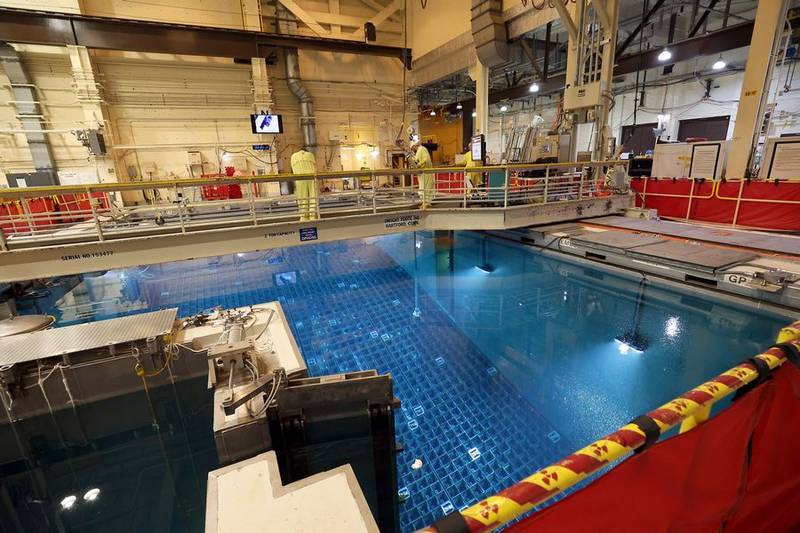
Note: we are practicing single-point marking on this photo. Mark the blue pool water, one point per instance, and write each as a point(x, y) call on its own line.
point(500, 369)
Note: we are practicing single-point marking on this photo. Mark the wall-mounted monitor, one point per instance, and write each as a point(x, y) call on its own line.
point(263, 123)
point(478, 148)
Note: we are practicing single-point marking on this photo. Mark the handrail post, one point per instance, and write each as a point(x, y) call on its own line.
point(26, 211)
point(314, 197)
point(505, 189)
point(546, 182)
point(738, 201)
point(580, 183)
point(252, 202)
point(179, 197)
point(464, 187)
point(94, 215)
point(3, 244)
point(374, 181)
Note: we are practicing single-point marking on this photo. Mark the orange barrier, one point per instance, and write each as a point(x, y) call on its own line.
point(768, 205)
point(689, 410)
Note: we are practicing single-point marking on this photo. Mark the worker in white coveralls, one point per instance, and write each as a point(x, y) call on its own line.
point(425, 180)
point(304, 162)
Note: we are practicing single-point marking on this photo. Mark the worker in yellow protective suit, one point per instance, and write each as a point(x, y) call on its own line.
point(422, 160)
point(474, 178)
point(304, 162)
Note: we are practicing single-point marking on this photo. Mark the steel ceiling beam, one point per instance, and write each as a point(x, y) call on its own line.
point(712, 43)
point(635, 33)
point(703, 18)
point(60, 29)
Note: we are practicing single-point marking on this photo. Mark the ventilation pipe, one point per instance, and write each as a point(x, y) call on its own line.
point(489, 32)
point(285, 23)
point(307, 120)
point(29, 115)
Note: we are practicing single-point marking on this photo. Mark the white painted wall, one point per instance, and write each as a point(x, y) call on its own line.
point(681, 100)
point(161, 106)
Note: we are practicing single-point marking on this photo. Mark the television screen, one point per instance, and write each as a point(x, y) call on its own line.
point(266, 123)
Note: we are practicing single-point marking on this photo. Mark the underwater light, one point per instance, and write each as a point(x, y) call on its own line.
point(486, 267)
point(632, 341)
point(68, 501)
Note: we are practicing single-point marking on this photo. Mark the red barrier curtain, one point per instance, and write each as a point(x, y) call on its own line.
point(738, 473)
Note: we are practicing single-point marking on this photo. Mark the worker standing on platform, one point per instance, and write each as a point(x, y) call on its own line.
point(422, 160)
point(304, 162)
point(472, 179)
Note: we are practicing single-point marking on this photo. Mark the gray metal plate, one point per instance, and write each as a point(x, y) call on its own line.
point(694, 254)
point(787, 244)
point(617, 239)
point(73, 339)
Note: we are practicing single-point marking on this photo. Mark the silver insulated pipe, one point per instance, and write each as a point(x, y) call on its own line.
point(307, 120)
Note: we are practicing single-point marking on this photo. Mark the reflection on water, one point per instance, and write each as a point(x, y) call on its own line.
point(504, 360)
point(551, 327)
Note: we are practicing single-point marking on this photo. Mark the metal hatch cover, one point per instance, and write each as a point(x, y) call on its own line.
point(80, 337)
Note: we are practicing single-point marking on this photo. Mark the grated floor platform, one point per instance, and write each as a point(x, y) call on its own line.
point(754, 240)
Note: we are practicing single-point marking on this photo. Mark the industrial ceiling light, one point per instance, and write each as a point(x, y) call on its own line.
point(534, 88)
point(503, 108)
point(68, 501)
point(91, 494)
point(459, 106)
point(719, 64)
point(665, 55)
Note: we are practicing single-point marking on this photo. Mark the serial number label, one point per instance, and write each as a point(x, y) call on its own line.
point(89, 255)
point(402, 221)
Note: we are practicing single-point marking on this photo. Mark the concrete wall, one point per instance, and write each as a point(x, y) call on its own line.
point(160, 106)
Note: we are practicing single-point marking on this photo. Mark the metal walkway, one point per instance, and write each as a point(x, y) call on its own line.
point(753, 240)
point(50, 231)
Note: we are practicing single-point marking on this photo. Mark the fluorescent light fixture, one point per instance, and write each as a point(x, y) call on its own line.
point(503, 108)
point(91, 494)
point(665, 55)
point(719, 64)
point(459, 106)
point(433, 113)
point(534, 88)
point(68, 501)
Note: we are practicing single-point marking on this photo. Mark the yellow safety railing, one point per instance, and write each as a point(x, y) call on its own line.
point(41, 215)
point(688, 410)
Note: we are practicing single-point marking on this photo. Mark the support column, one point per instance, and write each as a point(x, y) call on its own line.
point(95, 114)
point(262, 101)
point(769, 23)
point(480, 73)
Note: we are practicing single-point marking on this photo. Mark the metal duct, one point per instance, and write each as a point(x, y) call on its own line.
point(291, 62)
point(29, 115)
point(307, 120)
point(489, 32)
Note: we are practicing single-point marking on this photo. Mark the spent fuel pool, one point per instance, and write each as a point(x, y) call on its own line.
point(504, 359)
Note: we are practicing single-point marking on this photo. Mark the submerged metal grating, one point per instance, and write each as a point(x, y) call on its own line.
point(72, 339)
